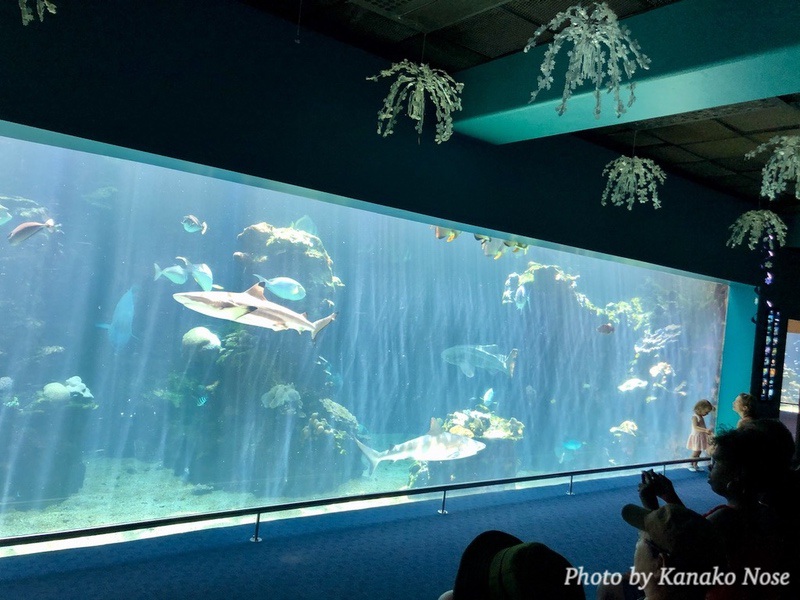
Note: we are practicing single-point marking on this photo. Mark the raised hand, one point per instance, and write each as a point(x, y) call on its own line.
point(654, 486)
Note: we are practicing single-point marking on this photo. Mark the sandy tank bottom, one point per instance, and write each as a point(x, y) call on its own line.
point(128, 490)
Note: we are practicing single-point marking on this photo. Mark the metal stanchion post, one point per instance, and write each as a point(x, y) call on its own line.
point(569, 491)
point(255, 537)
point(443, 510)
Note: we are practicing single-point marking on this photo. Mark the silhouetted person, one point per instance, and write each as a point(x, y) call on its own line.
point(499, 566)
point(743, 469)
point(677, 553)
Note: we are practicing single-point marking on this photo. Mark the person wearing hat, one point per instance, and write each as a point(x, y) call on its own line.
point(499, 566)
point(678, 556)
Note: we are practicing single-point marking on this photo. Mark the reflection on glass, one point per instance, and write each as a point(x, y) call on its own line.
point(175, 343)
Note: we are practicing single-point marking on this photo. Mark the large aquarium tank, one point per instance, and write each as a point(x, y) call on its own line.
point(790, 388)
point(178, 340)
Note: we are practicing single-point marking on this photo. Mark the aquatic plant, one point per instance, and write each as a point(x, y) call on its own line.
point(180, 389)
point(602, 51)
point(759, 226)
point(632, 310)
point(42, 6)
point(413, 82)
point(630, 179)
point(783, 166)
point(237, 346)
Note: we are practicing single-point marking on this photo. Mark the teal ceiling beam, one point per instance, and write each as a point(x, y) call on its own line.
point(705, 54)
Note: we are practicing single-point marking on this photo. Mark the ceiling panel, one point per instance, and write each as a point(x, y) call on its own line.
point(779, 117)
point(438, 14)
point(691, 132)
point(629, 137)
point(476, 34)
point(705, 169)
point(724, 148)
point(371, 26)
point(670, 154)
point(740, 164)
point(707, 146)
point(768, 135)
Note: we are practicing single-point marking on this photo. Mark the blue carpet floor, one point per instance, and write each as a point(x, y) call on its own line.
point(407, 552)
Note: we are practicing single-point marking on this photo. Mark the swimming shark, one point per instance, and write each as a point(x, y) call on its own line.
point(469, 358)
point(251, 308)
point(435, 445)
point(120, 328)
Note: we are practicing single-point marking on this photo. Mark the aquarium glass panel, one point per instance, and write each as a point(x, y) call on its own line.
point(791, 365)
point(790, 391)
point(180, 340)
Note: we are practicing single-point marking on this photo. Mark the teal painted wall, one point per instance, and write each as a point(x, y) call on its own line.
point(737, 353)
point(220, 83)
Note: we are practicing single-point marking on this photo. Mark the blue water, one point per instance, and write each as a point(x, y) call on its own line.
point(407, 296)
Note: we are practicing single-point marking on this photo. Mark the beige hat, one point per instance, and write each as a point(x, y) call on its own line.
point(689, 539)
point(499, 566)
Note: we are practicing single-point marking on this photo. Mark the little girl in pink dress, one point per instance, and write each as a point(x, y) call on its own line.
point(699, 437)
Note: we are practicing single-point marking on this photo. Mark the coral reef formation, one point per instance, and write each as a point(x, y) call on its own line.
point(288, 252)
point(257, 399)
point(283, 397)
point(281, 438)
point(200, 339)
point(200, 349)
point(77, 388)
point(72, 392)
point(484, 425)
point(45, 430)
point(54, 392)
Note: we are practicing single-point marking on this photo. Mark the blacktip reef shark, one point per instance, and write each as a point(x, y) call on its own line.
point(251, 308)
point(435, 445)
point(469, 358)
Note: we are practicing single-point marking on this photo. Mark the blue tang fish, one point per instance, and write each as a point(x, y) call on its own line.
point(567, 450)
point(202, 273)
point(305, 223)
point(284, 287)
point(192, 224)
point(488, 398)
point(175, 273)
point(120, 328)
